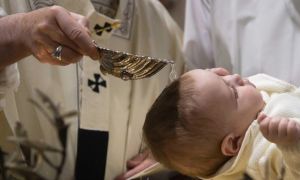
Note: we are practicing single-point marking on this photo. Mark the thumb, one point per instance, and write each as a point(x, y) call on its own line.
point(142, 166)
point(136, 160)
point(261, 117)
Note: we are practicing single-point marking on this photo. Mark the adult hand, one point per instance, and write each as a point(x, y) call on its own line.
point(53, 26)
point(137, 164)
point(40, 32)
point(279, 130)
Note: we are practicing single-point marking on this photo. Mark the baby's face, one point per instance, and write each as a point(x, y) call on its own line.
point(230, 100)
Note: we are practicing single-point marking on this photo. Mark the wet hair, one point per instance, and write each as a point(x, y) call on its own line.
point(178, 133)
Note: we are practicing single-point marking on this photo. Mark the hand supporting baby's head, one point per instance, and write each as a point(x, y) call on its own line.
point(198, 122)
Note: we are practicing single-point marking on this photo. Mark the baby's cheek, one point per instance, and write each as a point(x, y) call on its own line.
point(260, 101)
point(251, 98)
point(255, 95)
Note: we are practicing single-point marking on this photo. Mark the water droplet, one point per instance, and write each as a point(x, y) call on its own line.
point(173, 74)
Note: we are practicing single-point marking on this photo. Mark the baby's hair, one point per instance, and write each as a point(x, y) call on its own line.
point(176, 134)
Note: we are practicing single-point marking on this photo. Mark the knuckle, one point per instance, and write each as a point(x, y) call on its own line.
point(41, 54)
point(267, 123)
point(42, 26)
point(272, 122)
point(55, 9)
point(84, 22)
point(75, 34)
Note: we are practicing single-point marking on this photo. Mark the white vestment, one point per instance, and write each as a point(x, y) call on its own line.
point(245, 36)
point(59, 83)
point(119, 108)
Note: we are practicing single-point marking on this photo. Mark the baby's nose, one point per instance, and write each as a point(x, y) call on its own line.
point(236, 80)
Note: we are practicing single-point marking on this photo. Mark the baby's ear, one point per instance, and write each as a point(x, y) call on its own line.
point(231, 145)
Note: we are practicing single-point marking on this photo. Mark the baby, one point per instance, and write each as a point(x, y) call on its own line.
point(210, 126)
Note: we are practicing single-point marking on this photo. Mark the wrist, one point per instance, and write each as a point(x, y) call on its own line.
point(12, 39)
point(21, 31)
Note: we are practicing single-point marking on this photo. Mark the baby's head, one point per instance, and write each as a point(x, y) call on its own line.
point(199, 121)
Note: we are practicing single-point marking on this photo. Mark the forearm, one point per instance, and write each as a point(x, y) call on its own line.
point(12, 47)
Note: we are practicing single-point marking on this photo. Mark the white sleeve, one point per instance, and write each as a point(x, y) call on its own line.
point(2, 12)
point(197, 46)
point(9, 76)
point(9, 81)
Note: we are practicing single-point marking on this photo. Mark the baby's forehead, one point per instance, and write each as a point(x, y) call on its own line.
point(200, 79)
point(192, 76)
point(194, 72)
point(204, 89)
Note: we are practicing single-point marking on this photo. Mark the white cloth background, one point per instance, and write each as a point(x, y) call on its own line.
point(121, 107)
point(246, 36)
